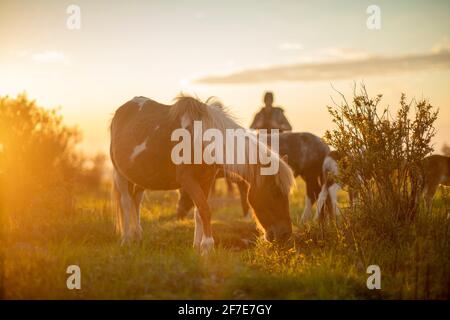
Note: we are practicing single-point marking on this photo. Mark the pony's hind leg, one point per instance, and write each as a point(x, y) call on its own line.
point(138, 194)
point(126, 206)
point(307, 210)
point(115, 197)
point(312, 192)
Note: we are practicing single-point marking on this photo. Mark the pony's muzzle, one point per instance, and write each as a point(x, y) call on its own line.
point(279, 234)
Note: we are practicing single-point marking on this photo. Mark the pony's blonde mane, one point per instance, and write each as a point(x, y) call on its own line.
point(213, 114)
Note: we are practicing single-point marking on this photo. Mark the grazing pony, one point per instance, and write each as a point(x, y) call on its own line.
point(436, 172)
point(305, 155)
point(141, 152)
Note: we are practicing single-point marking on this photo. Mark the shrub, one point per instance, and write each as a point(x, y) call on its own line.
point(382, 153)
point(39, 163)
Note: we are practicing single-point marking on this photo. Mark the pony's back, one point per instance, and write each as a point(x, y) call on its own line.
point(213, 115)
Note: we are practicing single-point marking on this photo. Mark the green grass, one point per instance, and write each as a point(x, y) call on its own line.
point(326, 262)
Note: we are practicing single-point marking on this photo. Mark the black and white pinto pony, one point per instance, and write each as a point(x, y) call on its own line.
point(307, 154)
point(140, 151)
point(309, 157)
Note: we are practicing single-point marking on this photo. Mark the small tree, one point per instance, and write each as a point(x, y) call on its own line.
point(382, 153)
point(38, 161)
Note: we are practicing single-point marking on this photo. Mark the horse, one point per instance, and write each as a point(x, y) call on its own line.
point(141, 152)
point(436, 172)
point(305, 154)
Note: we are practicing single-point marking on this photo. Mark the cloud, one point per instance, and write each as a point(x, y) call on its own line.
point(49, 57)
point(342, 54)
point(290, 46)
point(357, 64)
point(442, 46)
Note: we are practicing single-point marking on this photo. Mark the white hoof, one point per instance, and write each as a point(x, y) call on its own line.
point(207, 245)
point(126, 240)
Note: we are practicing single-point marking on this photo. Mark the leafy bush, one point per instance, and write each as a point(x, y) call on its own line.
point(382, 153)
point(39, 163)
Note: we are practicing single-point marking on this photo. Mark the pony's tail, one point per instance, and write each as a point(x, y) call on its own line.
point(115, 205)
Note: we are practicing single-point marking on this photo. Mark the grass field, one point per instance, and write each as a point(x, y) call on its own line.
point(320, 263)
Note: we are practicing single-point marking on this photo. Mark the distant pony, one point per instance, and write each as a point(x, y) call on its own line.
point(140, 150)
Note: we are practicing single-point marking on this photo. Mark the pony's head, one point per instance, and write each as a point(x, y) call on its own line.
point(269, 198)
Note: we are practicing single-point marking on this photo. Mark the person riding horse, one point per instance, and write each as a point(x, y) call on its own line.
point(270, 117)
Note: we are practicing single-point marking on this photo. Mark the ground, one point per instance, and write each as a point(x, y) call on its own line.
point(320, 263)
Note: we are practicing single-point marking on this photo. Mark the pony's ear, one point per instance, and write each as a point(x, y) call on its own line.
point(285, 158)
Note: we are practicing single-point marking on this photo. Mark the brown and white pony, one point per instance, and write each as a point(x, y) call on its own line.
point(140, 150)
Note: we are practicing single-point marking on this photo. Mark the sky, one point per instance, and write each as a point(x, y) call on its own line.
point(234, 50)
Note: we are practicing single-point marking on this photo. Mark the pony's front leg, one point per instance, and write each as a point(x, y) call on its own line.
point(198, 231)
point(312, 191)
point(244, 188)
point(199, 195)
